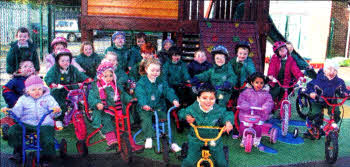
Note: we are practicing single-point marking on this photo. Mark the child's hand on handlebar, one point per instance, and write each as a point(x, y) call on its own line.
point(99, 106)
point(176, 103)
point(146, 107)
point(5, 109)
point(56, 109)
point(273, 79)
point(190, 119)
point(313, 95)
point(229, 127)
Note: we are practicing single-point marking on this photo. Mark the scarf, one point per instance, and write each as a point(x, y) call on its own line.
point(101, 85)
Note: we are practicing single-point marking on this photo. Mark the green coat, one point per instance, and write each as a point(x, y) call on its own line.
point(175, 73)
point(123, 85)
point(134, 72)
point(135, 56)
point(217, 76)
point(218, 116)
point(123, 55)
point(89, 63)
point(17, 55)
point(55, 76)
point(247, 69)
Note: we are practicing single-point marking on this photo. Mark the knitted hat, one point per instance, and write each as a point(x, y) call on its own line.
point(106, 65)
point(168, 40)
point(118, 33)
point(34, 81)
point(331, 63)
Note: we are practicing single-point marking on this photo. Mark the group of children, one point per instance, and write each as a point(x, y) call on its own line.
point(156, 81)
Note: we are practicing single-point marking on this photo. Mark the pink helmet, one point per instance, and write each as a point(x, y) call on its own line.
point(278, 45)
point(59, 40)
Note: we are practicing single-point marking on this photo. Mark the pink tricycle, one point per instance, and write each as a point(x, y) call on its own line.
point(251, 122)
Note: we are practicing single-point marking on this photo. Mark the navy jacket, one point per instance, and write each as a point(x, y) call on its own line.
point(195, 68)
point(13, 89)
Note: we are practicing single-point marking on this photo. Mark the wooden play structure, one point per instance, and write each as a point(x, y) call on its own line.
point(193, 23)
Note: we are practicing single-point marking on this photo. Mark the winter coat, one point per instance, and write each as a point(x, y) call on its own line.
point(175, 73)
point(154, 94)
point(17, 55)
point(195, 68)
point(163, 56)
point(291, 69)
point(89, 63)
point(251, 98)
point(30, 110)
point(218, 116)
point(123, 56)
point(13, 89)
point(327, 86)
point(247, 69)
point(135, 56)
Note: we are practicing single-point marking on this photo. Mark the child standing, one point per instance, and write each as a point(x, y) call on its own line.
point(13, 89)
point(120, 49)
point(150, 92)
point(163, 55)
point(88, 59)
point(221, 76)
point(29, 109)
point(136, 50)
point(283, 68)
point(256, 95)
point(328, 82)
point(62, 72)
point(204, 112)
point(21, 50)
point(199, 63)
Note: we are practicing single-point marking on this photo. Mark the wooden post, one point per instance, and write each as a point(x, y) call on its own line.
point(263, 28)
point(86, 35)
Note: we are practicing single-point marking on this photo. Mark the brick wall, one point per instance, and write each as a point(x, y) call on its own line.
point(340, 15)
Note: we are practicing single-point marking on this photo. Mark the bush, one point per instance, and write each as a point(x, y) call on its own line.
point(345, 63)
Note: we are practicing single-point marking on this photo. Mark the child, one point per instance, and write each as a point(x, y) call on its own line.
point(21, 50)
point(59, 43)
point(221, 75)
point(29, 109)
point(120, 49)
point(205, 112)
point(62, 73)
point(199, 65)
point(136, 50)
point(327, 81)
point(88, 59)
point(150, 92)
point(256, 95)
point(147, 51)
point(163, 55)
point(175, 72)
point(13, 89)
point(283, 68)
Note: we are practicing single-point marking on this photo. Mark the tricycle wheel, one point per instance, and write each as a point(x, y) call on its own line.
point(285, 119)
point(248, 143)
point(273, 135)
point(205, 164)
point(30, 159)
point(165, 148)
point(82, 148)
point(303, 106)
point(125, 149)
point(184, 151)
point(63, 148)
point(4, 131)
point(331, 147)
point(295, 133)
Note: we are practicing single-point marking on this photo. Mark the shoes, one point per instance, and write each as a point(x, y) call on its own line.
point(112, 147)
point(257, 141)
point(175, 147)
point(58, 125)
point(242, 143)
point(148, 143)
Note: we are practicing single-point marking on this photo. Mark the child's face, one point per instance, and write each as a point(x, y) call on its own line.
point(87, 50)
point(146, 55)
point(59, 47)
point(140, 41)
point(64, 62)
point(167, 46)
point(112, 59)
point(220, 59)
point(108, 76)
point(200, 57)
point(175, 58)
point(35, 92)
point(258, 84)
point(290, 48)
point(119, 41)
point(282, 52)
point(153, 71)
point(206, 100)
point(330, 73)
point(27, 68)
point(22, 37)
point(242, 54)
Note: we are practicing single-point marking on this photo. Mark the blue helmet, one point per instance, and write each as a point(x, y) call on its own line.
point(219, 49)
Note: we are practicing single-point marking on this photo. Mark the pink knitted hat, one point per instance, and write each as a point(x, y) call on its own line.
point(34, 81)
point(106, 65)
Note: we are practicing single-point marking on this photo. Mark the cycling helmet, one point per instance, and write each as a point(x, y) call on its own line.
point(242, 44)
point(278, 45)
point(63, 52)
point(57, 40)
point(219, 49)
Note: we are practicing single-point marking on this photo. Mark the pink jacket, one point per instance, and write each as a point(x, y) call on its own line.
point(290, 69)
point(251, 98)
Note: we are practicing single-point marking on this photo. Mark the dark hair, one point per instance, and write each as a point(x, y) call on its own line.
point(206, 87)
point(256, 75)
point(141, 35)
point(22, 30)
point(243, 45)
point(174, 51)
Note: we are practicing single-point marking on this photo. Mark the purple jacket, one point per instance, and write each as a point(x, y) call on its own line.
point(251, 98)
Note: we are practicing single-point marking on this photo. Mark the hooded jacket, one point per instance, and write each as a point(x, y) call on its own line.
point(17, 55)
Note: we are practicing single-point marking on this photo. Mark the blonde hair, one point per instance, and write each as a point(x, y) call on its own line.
point(146, 62)
point(112, 54)
point(84, 44)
